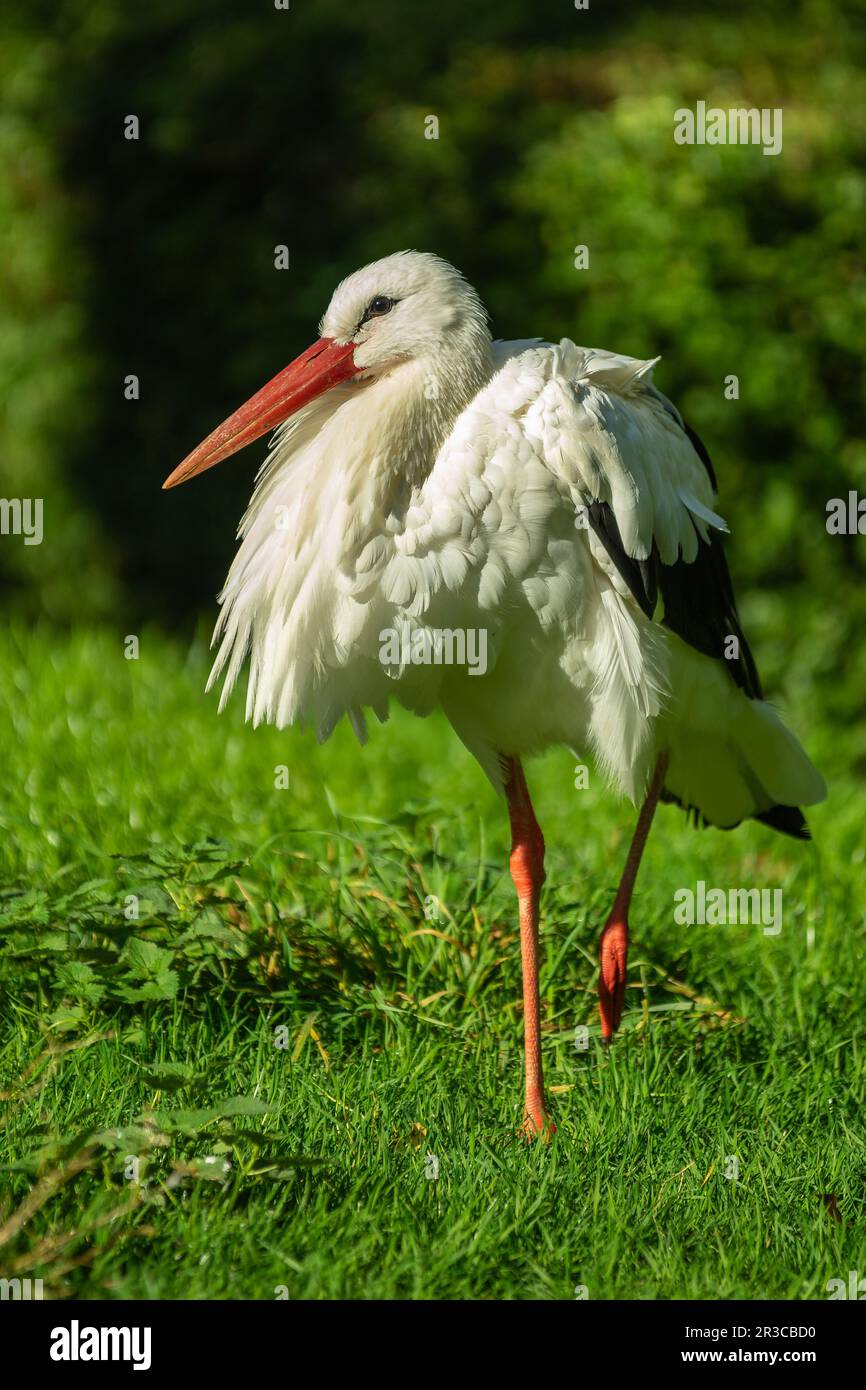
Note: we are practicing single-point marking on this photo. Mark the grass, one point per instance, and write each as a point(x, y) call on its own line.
point(237, 1091)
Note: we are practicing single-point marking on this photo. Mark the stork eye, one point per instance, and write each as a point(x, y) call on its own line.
point(378, 306)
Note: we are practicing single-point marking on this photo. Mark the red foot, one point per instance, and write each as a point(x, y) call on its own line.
point(537, 1124)
point(613, 959)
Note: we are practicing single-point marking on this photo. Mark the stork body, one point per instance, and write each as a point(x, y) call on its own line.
point(544, 499)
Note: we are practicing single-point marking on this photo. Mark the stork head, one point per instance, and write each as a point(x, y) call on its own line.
point(409, 307)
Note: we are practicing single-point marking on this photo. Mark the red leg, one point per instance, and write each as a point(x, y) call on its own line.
point(527, 871)
point(613, 947)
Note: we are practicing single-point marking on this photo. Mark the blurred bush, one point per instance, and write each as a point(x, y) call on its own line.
point(306, 127)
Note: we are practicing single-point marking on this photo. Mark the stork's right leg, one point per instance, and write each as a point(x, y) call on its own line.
point(527, 871)
point(613, 947)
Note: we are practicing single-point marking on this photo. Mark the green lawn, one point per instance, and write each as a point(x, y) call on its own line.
point(283, 1035)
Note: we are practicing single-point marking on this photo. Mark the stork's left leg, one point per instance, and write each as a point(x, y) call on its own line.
point(527, 871)
point(613, 947)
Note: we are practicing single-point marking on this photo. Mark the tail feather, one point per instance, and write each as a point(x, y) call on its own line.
point(732, 758)
point(788, 820)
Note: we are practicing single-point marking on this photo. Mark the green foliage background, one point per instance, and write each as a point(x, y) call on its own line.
point(306, 127)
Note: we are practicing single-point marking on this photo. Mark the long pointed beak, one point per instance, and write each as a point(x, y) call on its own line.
point(318, 369)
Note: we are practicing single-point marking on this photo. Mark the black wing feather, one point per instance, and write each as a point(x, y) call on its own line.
point(641, 576)
point(698, 598)
point(700, 607)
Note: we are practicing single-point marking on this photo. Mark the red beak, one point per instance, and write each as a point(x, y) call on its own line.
point(318, 369)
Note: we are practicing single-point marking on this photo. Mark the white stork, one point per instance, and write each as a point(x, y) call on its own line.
point(424, 479)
